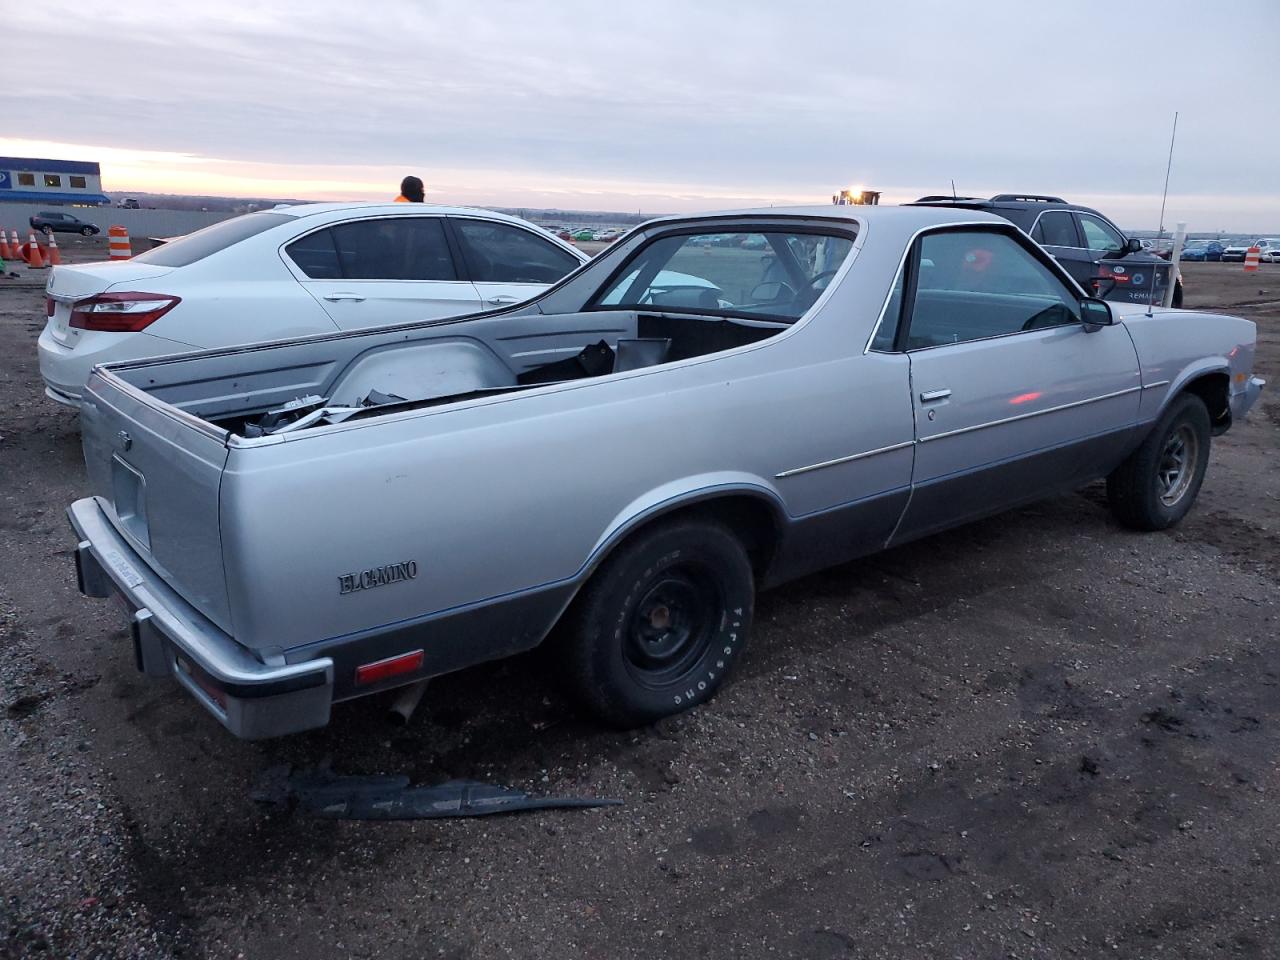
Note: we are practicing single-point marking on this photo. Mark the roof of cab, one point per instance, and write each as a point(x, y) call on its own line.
point(906, 215)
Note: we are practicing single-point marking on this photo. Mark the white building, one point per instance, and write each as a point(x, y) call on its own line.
point(30, 179)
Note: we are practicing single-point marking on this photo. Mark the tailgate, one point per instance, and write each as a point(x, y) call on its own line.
point(156, 471)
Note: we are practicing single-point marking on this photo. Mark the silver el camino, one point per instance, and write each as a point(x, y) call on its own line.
point(715, 405)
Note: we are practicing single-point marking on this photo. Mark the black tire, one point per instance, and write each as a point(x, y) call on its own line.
point(660, 624)
point(1156, 485)
point(87, 231)
point(47, 231)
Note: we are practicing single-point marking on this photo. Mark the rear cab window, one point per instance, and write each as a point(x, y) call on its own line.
point(774, 274)
point(196, 246)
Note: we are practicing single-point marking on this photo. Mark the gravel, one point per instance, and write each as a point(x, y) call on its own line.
point(1036, 736)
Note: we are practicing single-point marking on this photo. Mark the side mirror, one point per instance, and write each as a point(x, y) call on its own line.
point(770, 292)
point(1133, 246)
point(1095, 313)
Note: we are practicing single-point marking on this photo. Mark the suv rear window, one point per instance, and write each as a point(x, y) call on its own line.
point(196, 246)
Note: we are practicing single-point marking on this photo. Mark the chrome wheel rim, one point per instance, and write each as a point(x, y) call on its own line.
point(1177, 465)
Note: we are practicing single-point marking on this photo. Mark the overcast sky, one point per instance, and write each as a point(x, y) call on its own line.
point(660, 106)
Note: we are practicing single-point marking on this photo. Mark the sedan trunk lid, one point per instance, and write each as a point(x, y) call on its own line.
point(88, 279)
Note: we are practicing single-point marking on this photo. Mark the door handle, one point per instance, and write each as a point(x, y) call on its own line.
point(931, 396)
point(335, 297)
point(502, 299)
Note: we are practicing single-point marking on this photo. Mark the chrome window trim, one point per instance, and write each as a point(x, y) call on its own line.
point(1028, 415)
point(796, 471)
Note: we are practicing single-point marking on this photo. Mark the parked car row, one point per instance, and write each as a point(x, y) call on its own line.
point(1236, 250)
point(624, 459)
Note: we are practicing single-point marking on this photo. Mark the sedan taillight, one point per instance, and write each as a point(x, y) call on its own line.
point(48, 306)
point(121, 312)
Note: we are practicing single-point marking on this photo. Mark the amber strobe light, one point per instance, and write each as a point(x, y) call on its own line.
point(391, 667)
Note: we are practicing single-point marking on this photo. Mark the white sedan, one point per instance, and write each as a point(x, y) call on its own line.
point(287, 272)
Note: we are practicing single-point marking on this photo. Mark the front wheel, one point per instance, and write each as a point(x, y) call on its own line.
point(86, 231)
point(661, 623)
point(1157, 484)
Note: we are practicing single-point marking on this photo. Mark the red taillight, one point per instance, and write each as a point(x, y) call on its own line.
point(121, 312)
point(48, 306)
point(391, 667)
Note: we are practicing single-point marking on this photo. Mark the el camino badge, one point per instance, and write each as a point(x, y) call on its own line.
point(377, 576)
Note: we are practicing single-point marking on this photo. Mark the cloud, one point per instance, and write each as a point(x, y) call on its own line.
point(663, 102)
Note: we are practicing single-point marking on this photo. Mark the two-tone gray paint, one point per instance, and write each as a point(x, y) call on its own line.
point(507, 503)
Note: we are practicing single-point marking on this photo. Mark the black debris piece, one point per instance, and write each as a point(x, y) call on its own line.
point(325, 794)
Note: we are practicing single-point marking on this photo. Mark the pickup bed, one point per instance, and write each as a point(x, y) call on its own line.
point(621, 462)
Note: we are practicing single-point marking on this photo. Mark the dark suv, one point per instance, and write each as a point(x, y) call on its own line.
point(1089, 246)
point(48, 222)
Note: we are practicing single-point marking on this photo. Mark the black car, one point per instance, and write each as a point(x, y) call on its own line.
point(48, 222)
point(1091, 248)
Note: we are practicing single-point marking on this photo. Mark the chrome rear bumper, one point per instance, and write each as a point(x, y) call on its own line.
point(250, 698)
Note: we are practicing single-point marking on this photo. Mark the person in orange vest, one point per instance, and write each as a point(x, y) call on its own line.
point(411, 191)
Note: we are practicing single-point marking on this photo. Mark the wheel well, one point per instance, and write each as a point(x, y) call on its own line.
point(751, 518)
point(1214, 390)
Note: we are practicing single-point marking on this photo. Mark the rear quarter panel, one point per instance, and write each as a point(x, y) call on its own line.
point(497, 497)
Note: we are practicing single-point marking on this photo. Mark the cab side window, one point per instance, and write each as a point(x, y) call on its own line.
point(975, 285)
point(887, 332)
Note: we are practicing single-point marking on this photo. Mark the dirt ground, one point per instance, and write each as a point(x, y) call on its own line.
point(1037, 736)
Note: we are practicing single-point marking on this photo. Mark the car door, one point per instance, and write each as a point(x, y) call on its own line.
point(1136, 278)
point(1014, 397)
point(1057, 232)
point(509, 263)
point(381, 271)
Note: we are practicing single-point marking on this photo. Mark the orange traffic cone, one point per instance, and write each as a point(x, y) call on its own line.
point(118, 243)
point(14, 245)
point(55, 256)
point(5, 252)
point(35, 260)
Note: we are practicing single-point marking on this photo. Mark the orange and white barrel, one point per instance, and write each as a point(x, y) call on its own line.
point(118, 243)
point(1251, 259)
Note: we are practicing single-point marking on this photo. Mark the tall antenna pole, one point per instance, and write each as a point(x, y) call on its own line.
point(1173, 136)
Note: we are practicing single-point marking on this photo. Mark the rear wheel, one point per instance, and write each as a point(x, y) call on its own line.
point(47, 230)
point(1157, 484)
point(661, 623)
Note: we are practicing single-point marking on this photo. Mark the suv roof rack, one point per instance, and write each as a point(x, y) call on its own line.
point(1018, 197)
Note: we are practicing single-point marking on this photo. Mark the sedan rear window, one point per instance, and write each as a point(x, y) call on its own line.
point(196, 246)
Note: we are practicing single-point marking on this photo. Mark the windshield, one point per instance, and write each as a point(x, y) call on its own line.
point(196, 246)
point(773, 274)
